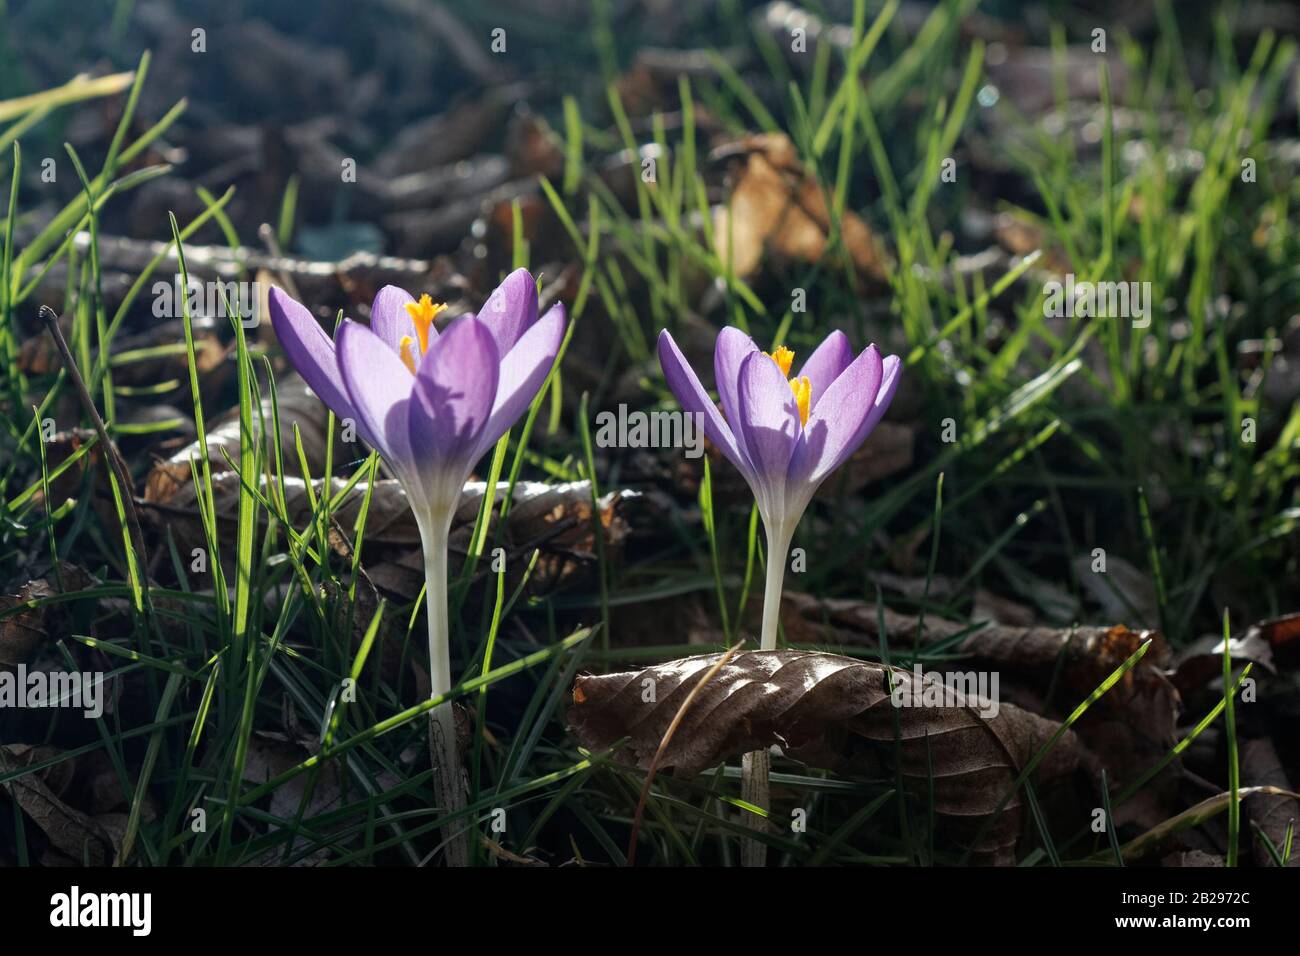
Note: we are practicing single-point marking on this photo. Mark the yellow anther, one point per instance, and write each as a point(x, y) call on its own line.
point(404, 352)
point(423, 313)
point(782, 357)
point(802, 389)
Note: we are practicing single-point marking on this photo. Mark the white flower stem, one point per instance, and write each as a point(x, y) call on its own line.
point(435, 580)
point(448, 777)
point(778, 548)
point(756, 766)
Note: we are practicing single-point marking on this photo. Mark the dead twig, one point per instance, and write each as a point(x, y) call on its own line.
point(114, 457)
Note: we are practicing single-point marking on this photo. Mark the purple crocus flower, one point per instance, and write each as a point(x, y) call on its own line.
point(784, 437)
point(432, 405)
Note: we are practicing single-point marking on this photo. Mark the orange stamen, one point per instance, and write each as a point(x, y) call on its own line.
point(802, 389)
point(783, 357)
point(422, 314)
point(404, 352)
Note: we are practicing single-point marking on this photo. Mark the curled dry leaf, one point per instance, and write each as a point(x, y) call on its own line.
point(59, 449)
point(58, 776)
point(1161, 836)
point(832, 712)
point(1282, 634)
point(298, 404)
point(1129, 729)
point(1273, 813)
point(271, 753)
point(73, 835)
point(389, 520)
point(777, 206)
point(23, 629)
point(1202, 661)
point(555, 518)
point(22, 633)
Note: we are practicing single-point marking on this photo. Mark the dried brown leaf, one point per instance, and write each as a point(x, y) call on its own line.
point(1160, 836)
point(1273, 813)
point(1130, 728)
point(73, 834)
point(168, 482)
point(832, 712)
point(553, 518)
point(1202, 661)
point(1283, 636)
point(24, 629)
point(778, 207)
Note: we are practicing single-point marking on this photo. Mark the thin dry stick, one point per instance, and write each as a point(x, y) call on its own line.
point(115, 460)
point(663, 745)
point(267, 235)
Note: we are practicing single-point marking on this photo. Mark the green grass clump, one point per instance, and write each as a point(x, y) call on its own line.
point(1066, 436)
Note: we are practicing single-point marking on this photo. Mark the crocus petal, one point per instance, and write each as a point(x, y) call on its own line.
point(389, 319)
point(847, 413)
point(769, 419)
point(310, 351)
point(379, 387)
point(729, 351)
point(522, 373)
point(450, 406)
point(826, 364)
point(685, 384)
point(511, 309)
point(893, 367)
